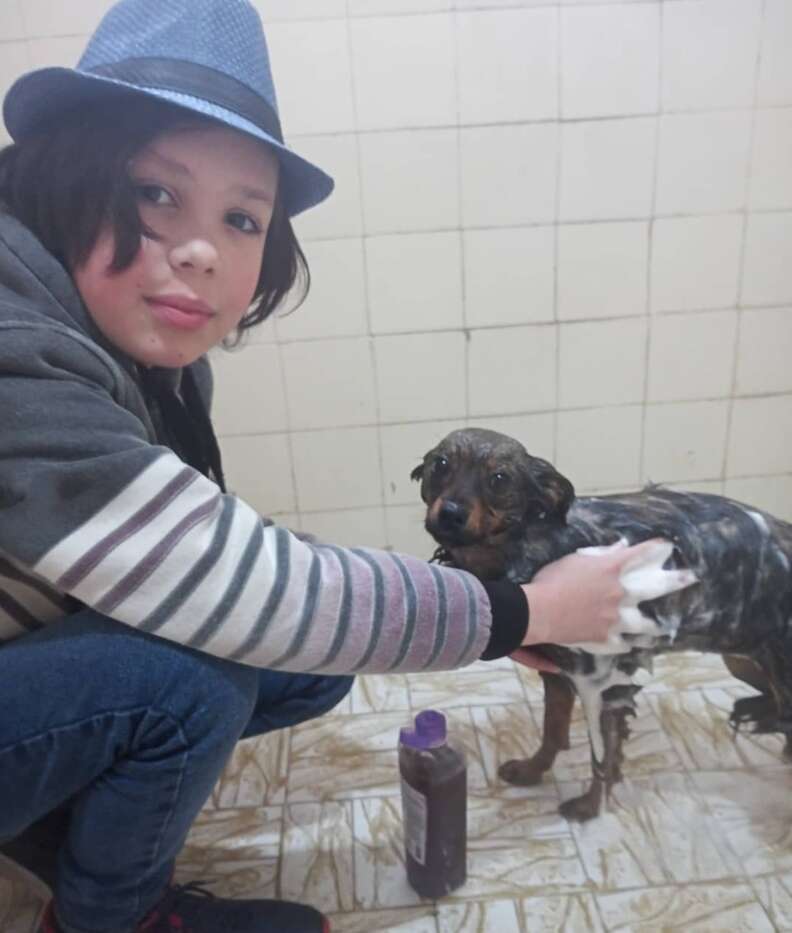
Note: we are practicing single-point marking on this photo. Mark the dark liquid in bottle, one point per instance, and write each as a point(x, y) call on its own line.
point(436, 858)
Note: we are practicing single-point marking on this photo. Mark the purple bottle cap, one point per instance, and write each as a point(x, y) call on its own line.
point(430, 731)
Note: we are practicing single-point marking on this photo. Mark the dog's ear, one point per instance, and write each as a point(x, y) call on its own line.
point(417, 473)
point(556, 493)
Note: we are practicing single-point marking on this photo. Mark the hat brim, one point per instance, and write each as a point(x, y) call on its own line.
point(39, 95)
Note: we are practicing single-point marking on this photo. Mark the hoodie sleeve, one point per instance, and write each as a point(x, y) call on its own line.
point(91, 509)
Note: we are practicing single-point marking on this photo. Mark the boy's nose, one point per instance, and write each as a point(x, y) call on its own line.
point(195, 254)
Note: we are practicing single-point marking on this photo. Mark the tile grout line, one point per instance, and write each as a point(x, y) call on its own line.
point(649, 279)
point(743, 249)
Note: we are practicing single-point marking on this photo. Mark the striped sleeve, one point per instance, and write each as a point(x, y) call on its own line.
point(91, 510)
point(173, 556)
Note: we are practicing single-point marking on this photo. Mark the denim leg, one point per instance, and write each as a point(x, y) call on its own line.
point(285, 699)
point(135, 731)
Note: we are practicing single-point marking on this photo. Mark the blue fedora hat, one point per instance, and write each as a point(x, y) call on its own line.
point(207, 56)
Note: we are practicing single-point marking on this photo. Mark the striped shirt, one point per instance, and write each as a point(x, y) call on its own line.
point(95, 511)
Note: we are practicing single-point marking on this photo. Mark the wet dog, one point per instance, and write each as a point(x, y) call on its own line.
point(502, 514)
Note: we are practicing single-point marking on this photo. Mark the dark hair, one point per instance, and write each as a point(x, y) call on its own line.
point(70, 180)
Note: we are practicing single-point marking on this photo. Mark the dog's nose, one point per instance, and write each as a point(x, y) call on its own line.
point(452, 514)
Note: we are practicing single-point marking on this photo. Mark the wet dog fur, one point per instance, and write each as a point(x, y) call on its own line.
point(501, 513)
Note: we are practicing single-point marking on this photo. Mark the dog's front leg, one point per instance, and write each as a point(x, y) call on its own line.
point(559, 698)
point(613, 730)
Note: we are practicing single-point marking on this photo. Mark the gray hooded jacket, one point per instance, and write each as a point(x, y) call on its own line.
point(96, 511)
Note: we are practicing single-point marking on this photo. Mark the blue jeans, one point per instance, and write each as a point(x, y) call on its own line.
point(133, 731)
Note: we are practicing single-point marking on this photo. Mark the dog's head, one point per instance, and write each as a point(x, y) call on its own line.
point(483, 489)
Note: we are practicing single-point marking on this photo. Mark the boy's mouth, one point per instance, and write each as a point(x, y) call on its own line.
point(180, 311)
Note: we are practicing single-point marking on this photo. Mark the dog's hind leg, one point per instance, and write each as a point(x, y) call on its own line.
point(614, 731)
point(770, 710)
point(559, 700)
point(748, 671)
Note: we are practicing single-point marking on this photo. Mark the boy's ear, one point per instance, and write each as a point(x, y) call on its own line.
point(556, 493)
point(417, 473)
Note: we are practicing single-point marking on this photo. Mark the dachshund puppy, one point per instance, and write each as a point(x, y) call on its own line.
point(500, 513)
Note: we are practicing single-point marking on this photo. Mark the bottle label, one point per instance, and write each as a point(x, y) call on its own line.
point(415, 822)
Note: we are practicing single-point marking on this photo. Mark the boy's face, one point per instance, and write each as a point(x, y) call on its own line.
point(208, 194)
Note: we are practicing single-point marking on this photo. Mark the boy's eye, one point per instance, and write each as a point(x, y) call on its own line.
point(155, 194)
point(243, 222)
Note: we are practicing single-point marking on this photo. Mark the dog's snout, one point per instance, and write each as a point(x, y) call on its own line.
point(452, 514)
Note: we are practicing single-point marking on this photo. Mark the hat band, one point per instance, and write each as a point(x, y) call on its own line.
point(198, 81)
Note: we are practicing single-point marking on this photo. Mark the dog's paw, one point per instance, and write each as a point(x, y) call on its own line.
point(761, 710)
point(580, 809)
point(522, 772)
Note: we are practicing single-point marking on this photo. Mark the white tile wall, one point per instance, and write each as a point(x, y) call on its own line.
point(375, 7)
point(600, 447)
point(512, 370)
point(348, 527)
point(710, 49)
point(405, 529)
point(509, 275)
point(55, 18)
point(315, 99)
point(14, 60)
point(607, 168)
point(342, 214)
point(248, 394)
point(702, 162)
point(403, 448)
point(602, 363)
point(60, 51)
point(685, 441)
point(425, 161)
point(775, 70)
point(509, 174)
point(273, 10)
point(336, 303)
point(602, 269)
point(508, 65)
point(329, 382)
point(768, 272)
point(695, 262)
point(394, 265)
point(336, 469)
point(517, 183)
point(259, 469)
point(771, 181)
point(421, 376)
point(12, 23)
point(772, 493)
point(691, 356)
point(617, 73)
point(759, 441)
point(763, 365)
point(403, 69)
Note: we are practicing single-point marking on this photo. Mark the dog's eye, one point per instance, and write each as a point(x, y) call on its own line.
point(440, 467)
point(500, 481)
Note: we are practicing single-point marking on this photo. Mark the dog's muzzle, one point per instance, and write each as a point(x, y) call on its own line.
point(448, 525)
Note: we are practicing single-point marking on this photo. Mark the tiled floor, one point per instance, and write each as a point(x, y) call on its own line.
point(698, 838)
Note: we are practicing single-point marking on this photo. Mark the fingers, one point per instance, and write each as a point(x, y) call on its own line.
point(654, 552)
point(646, 584)
point(642, 575)
point(621, 545)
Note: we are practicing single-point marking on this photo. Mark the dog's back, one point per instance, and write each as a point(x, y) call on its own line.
point(740, 555)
